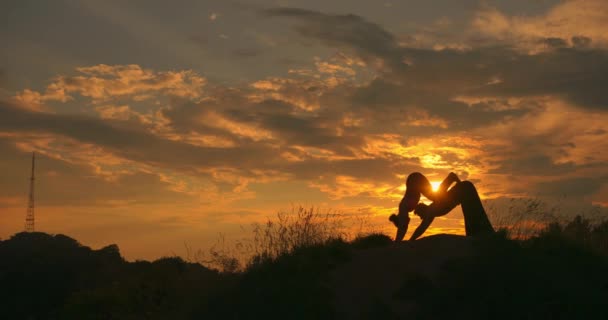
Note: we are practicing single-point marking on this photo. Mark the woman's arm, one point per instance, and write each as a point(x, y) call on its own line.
point(422, 210)
point(400, 234)
point(426, 222)
point(403, 220)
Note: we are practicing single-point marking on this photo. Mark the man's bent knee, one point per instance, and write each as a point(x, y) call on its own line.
point(467, 184)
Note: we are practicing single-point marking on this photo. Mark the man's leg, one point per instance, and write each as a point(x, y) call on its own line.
point(464, 193)
point(475, 218)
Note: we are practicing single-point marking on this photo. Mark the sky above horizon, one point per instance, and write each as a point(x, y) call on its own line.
point(158, 124)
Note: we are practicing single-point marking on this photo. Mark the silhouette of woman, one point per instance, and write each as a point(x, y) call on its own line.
point(462, 193)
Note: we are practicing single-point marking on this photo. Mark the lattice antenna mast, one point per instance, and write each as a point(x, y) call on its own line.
point(29, 218)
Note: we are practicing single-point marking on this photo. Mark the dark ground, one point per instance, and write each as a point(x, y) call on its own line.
point(558, 275)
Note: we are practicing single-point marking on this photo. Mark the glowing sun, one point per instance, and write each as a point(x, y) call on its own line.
point(435, 185)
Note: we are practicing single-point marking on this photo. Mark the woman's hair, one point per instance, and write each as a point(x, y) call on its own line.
point(421, 210)
point(395, 220)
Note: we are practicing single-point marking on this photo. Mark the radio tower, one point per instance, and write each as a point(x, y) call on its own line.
point(29, 218)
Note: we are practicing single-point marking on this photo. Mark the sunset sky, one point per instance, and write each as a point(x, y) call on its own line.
point(160, 123)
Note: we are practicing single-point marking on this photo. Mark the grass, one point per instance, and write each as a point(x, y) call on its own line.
point(299, 228)
point(522, 218)
point(519, 219)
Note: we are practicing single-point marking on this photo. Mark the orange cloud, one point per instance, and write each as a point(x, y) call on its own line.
point(341, 186)
point(35, 101)
point(421, 118)
point(216, 120)
point(305, 90)
point(100, 162)
point(567, 20)
point(114, 112)
point(570, 134)
point(104, 82)
point(294, 91)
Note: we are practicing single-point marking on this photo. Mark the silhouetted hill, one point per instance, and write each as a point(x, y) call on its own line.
point(54, 277)
point(437, 277)
point(374, 277)
point(448, 276)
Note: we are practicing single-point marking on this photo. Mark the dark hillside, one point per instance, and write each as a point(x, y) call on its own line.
point(54, 277)
point(559, 274)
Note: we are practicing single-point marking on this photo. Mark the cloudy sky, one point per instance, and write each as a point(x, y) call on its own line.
point(158, 123)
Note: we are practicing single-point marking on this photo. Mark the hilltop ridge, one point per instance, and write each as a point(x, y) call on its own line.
point(377, 274)
point(55, 277)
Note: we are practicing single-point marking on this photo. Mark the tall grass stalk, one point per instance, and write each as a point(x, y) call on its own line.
point(289, 230)
point(301, 227)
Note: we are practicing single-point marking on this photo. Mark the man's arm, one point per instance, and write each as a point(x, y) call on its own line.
point(428, 192)
point(445, 185)
point(437, 208)
point(447, 182)
point(426, 222)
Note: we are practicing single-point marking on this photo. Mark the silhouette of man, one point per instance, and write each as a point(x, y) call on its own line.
point(462, 193)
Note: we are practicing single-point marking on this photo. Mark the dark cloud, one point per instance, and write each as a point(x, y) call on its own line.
point(302, 130)
point(415, 93)
point(288, 126)
point(572, 187)
point(129, 142)
point(245, 159)
point(531, 164)
point(61, 183)
point(555, 42)
point(575, 73)
point(369, 39)
point(247, 52)
point(370, 170)
point(200, 39)
point(388, 102)
point(581, 41)
point(187, 116)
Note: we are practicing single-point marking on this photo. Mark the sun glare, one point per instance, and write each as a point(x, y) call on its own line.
point(435, 185)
